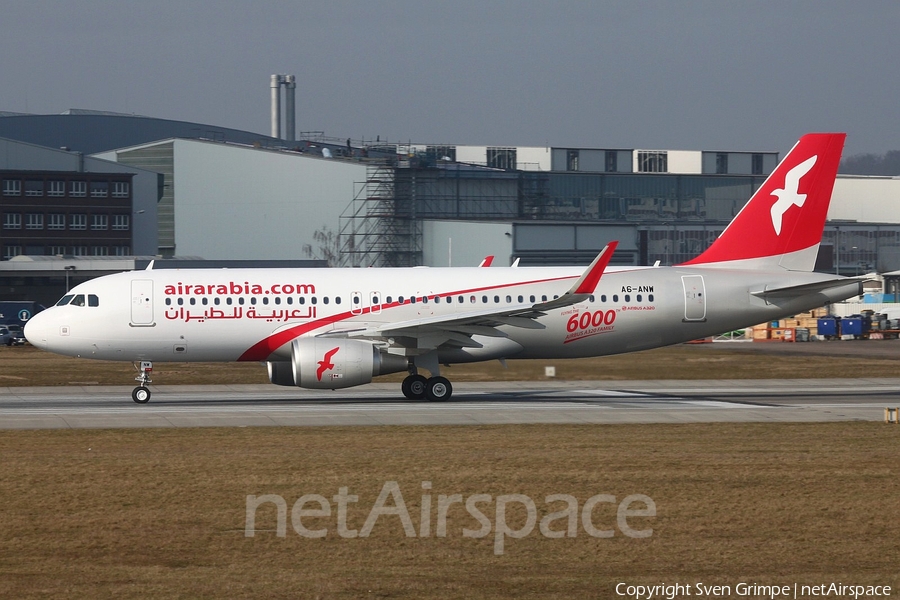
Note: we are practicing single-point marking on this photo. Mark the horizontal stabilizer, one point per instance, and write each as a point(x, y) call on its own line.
point(795, 291)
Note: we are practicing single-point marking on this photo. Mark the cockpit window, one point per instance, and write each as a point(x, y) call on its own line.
point(94, 300)
point(79, 300)
point(65, 300)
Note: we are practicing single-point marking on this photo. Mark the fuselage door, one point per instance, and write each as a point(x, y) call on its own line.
point(694, 298)
point(142, 302)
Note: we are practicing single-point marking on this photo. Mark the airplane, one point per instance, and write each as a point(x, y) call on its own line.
point(338, 328)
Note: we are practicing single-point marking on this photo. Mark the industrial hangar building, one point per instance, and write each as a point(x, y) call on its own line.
point(198, 190)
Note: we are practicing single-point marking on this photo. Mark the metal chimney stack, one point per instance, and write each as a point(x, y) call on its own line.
point(290, 83)
point(276, 105)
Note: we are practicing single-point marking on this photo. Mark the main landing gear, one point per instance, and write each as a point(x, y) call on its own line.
point(141, 394)
point(417, 387)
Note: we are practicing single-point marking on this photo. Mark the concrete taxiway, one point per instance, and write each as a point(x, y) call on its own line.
point(794, 400)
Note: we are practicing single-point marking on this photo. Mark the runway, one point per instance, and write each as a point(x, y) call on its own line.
point(795, 400)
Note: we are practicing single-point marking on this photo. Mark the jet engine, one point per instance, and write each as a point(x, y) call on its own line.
point(328, 363)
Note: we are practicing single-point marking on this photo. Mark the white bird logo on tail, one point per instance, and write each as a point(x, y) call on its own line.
point(789, 196)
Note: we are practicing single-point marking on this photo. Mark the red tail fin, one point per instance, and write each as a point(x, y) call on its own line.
point(782, 224)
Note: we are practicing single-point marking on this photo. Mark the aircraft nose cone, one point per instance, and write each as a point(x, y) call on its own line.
point(37, 330)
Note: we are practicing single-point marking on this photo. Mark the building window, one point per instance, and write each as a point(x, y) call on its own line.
point(12, 221)
point(78, 250)
point(56, 188)
point(78, 189)
point(572, 160)
point(34, 187)
point(121, 222)
point(721, 163)
point(501, 158)
point(757, 164)
point(12, 187)
point(126, 251)
point(57, 250)
point(99, 251)
point(78, 222)
point(612, 161)
point(56, 221)
point(99, 189)
point(652, 162)
point(99, 222)
point(34, 221)
point(120, 189)
point(11, 251)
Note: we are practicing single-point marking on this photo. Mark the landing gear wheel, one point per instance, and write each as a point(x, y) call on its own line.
point(141, 395)
point(413, 387)
point(438, 389)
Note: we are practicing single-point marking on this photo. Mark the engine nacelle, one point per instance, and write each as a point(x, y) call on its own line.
point(281, 372)
point(327, 363)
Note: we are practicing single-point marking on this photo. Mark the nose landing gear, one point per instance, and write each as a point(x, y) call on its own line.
point(141, 394)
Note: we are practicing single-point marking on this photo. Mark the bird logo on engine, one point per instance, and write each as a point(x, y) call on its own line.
point(326, 364)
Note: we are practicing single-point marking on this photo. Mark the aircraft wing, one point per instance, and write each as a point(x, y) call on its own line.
point(795, 291)
point(457, 330)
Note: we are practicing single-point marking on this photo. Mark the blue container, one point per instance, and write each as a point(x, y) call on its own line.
point(855, 325)
point(829, 326)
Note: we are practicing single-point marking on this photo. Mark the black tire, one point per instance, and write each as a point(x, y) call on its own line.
point(141, 395)
point(439, 389)
point(414, 387)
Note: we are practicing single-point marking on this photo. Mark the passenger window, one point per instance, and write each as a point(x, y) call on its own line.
point(93, 300)
point(638, 297)
point(277, 300)
point(290, 300)
point(400, 299)
point(325, 300)
point(313, 300)
point(603, 298)
point(168, 302)
point(484, 299)
point(650, 298)
point(521, 299)
point(217, 300)
point(265, 299)
point(509, 299)
point(543, 298)
point(387, 300)
point(337, 299)
point(204, 301)
point(615, 297)
point(531, 298)
point(228, 300)
point(496, 299)
point(301, 300)
point(627, 298)
point(65, 300)
point(180, 301)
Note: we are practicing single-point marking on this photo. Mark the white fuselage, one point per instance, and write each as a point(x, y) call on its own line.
point(255, 314)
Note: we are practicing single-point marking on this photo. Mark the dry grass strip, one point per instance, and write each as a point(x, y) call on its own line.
point(161, 513)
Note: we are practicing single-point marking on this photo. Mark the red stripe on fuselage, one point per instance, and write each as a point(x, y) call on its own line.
point(264, 348)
